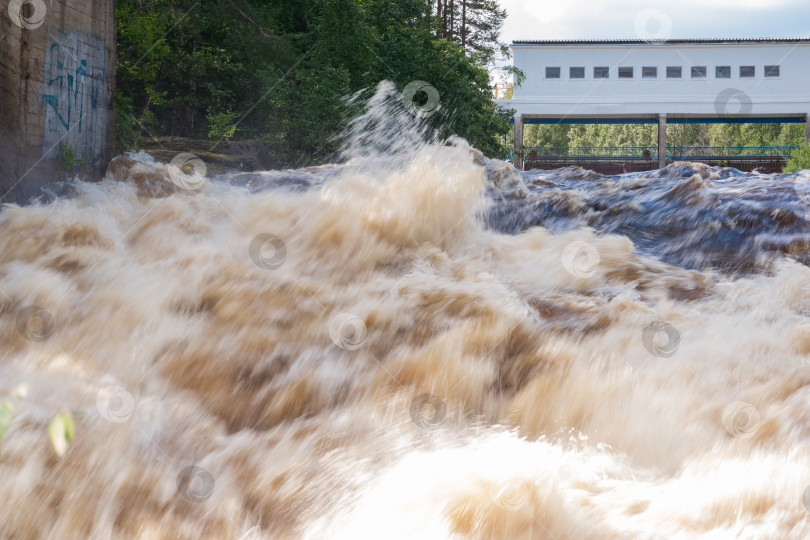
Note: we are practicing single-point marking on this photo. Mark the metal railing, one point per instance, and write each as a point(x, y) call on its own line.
point(589, 151)
point(729, 151)
point(531, 153)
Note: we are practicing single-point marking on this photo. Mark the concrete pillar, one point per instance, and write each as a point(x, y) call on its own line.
point(662, 140)
point(518, 153)
point(57, 83)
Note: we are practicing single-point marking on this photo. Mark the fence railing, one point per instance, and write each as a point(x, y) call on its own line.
point(589, 151)
point(729, 151)
point(651, 152)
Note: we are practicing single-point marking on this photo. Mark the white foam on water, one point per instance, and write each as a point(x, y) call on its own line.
point(178, 343)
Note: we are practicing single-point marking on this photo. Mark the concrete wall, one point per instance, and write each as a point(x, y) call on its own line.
point(709, 96)
point(57, 79)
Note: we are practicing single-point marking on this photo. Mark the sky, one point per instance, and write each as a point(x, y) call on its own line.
point(654, 19)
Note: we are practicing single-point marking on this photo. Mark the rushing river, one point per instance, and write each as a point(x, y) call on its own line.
point(418, 343)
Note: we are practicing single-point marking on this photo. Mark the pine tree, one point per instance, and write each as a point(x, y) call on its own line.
point(482, 22)
point(475, 24)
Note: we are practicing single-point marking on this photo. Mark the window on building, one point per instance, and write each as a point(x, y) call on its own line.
point(698, 72)
point(576, 72)
point(601, 73)
point(673, 72)
point(771, 71)
point(747, 72)
point(625, 73)
point(552, 73)
point(722, 72)
point(649, 72)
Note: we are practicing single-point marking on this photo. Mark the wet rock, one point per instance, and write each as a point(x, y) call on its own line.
point(502, 174)
point(219, 157)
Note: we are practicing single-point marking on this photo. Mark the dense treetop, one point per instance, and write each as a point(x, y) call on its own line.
point(278, 70)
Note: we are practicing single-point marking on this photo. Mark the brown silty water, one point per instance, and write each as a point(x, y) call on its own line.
point(364, 357)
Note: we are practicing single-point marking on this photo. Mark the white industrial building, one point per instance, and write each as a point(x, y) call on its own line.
point(675, 81)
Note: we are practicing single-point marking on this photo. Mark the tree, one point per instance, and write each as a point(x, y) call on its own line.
point(546, 135)
point(475, 24)
point(799, 159)
point(483, 27)
point(278, 70)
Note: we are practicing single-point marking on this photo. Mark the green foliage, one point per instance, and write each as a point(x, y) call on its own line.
point(68, 159)
point(194, 69)
point(221, 124)
point(799, 159)
point(677, 135)
point(126, 130)
point(792, 135)
point(475, 24)
point(61, 431)
point(6, 412)
point(698, 134)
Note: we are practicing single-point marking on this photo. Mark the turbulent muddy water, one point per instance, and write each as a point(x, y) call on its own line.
point(410, 345)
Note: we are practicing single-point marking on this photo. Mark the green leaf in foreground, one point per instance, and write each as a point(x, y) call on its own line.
point(6, 412)
point(61, 431)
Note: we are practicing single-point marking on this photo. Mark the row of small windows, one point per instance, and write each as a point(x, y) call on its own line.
point(673, 72)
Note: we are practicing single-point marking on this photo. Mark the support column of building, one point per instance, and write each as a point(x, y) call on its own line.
point(662, 140)
point(43, 45)
point(518, 152)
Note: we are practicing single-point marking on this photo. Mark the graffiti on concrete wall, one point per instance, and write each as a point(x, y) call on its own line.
point(74, 95)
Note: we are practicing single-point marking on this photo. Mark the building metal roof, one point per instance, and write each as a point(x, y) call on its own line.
point(657, 41)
